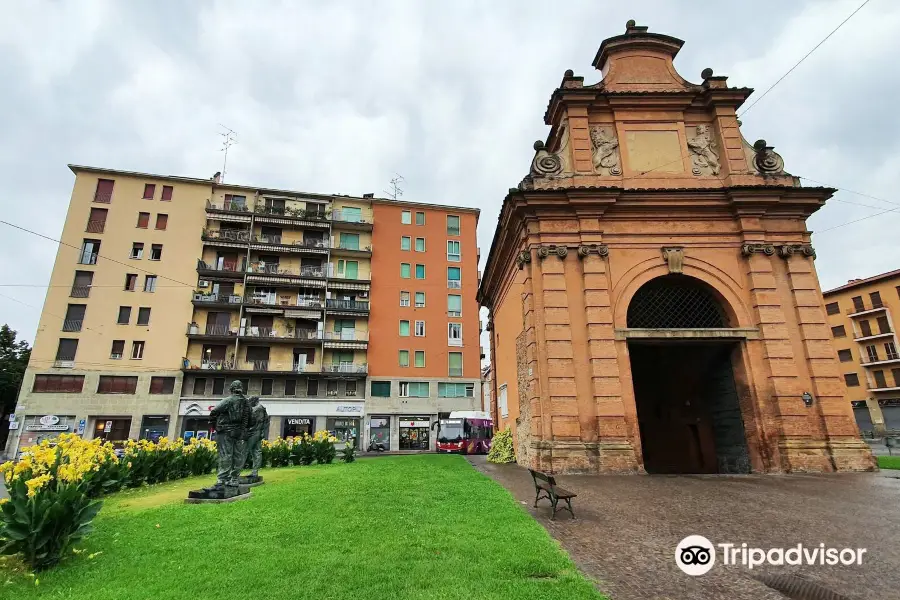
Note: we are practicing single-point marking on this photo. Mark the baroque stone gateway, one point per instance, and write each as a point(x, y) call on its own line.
point(652, 286)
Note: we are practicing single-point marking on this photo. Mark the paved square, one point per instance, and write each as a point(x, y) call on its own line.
point(628, 526)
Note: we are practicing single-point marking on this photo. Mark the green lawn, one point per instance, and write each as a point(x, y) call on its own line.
point(424, 526)
point(889, 462)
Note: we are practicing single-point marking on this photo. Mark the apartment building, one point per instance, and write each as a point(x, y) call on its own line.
point(166, 289)
point(861, 315)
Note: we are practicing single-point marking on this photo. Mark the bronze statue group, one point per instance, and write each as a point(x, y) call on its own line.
point(240, 427)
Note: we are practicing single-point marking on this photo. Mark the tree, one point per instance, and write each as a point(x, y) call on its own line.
point(13, 360)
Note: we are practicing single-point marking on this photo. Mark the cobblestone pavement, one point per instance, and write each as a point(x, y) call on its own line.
point(628, 526)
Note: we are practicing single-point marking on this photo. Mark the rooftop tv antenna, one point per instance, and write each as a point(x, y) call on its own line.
point(229, 139)
point(395, 191)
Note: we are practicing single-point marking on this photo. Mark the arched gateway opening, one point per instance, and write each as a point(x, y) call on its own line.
point(687, 403)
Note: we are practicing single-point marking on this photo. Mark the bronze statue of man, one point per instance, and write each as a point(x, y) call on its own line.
point(259, 418)
point(232, 417)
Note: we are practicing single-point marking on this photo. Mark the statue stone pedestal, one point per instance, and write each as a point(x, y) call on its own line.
point(251, 480)
point(218, 494)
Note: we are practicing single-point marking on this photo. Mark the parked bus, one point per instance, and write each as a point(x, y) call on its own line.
point(465, 432)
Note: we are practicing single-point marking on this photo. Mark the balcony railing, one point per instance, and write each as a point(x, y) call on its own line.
point(350, 216)
point(868, 360)
point(218, 298)
point(345, 368)
point(271, 332)
point(223, 268)
point(276, 269)
point(864, 308)
point(72, 324)
point(352, 247)
point(227, 235)
point(87, 258)
point(228, 206)
point(80, 291)
point(95, 226)
point(454, 284)
point(278, 240)
point(209, 329)
point(347, 335)
point(103, 197)
point(347, 304)
point(287, 211)
point(309, 302)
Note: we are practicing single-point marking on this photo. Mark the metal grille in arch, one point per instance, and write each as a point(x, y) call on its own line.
point(674, 302)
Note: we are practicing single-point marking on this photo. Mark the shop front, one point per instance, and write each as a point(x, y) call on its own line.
point(38, 428)
point(297, 426)
point(380, 432)
point(415, 433)
point(344, 429)
point(154, 427)
point(112, 429)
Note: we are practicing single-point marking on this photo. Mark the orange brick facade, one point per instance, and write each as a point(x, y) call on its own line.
point(646, 182)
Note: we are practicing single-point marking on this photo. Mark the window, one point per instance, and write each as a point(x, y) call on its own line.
point(420, 299)
point(350, 387)
point(883, 325)
point(405, 242)
point(71, 384)
point(137, 250)
point(74, 317)
point(104, 191)
point(96, 220)
point(349, 241)
point(420, 328)
point(290, 387)
point(420, 358)
point(200, 386)
point(331, 388)
point(149, 191)
point(405, 217)
point(149, 283)
point(162, 221)
point(455, 364)
point(143, 220)
point(420, 244)
point(404, 358)
point(420, 218)
point(851, 379)
point(896, 375)
point(218, 386)
point(880, 381)
point(454, 306)
point(137, 350)
point(143, 315)
point(117, 350)
point(404, 298)
point(156, 252)
point(81, 286)
point(420, 271)
point(414, 389)
point(66, 349)
point(167, 193)
point(116, 384)
point(875, 297)
point(858, 303)
point(454, 274)
point(312, 387)
point(890, 350)
point(130, 282)
point(267, 385)
point(404, 270)
point(404, 328)
point(453, 252)
point(162, 385)
point(454, 334)
point(456, 390)
point(90, 250)
point(872, 353)
point(381, 389)
point(124, 315)
point(452, 225)
point(865, 327)
point(235, 202)
point(845, 355)
point(501, 401)
point(838, 331)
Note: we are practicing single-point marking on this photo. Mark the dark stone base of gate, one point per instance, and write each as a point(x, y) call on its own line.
point(569, 457)
point(812, 456)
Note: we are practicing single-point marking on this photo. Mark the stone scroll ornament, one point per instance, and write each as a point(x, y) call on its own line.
point(767, 249)
point(704, 156)
point(606, 150)
point(545, 164)
point(602, 250)
point(788, 250)
point(766, 160)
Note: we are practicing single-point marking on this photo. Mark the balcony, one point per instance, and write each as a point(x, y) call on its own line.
point(312, 303)
point(228, 207)
point(347, 305)
point(223, 269)
point(72, 324)
point(892, 389)
point(217, 300)
point(210, 332)
point(87, 258)
point(346, 335)
point(352, 219)
point(873, 336)
point(279, 243)
point(227, 237)
point(275, 270)
point(271, 334)
point(862, 310)
point(288, 212)
point(339, 249)
point(80, 291)
point(878, 361)
point(346, 368)
point(95, 226)
point(251, 366)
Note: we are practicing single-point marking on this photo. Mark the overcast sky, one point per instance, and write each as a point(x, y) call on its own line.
point(336, 97)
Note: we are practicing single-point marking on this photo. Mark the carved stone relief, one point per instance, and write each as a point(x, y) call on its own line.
point(544, 164)
point(766, 160)
point(748, 249)
point(704, 153)
point(523, 258)
point(605, 147)
point(602, 250)
point(674, 256)
point(788, 250)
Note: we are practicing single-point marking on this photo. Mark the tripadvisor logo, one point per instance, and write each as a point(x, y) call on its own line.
point(696, 555)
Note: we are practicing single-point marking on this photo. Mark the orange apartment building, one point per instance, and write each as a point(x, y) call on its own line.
point(654, 304)
point(166, 289)
point(861, 315)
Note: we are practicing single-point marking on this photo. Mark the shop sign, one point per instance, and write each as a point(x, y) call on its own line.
point(57, 427)
point(378, 422)
point(13, 424)
point(349, 408)
point(81, 425)
point(108, 425)
point(345, 423)
point(304, 421)
point(49, 420)
point(415, 424)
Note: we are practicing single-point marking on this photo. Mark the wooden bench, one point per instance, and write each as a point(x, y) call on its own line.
point(545, 487)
